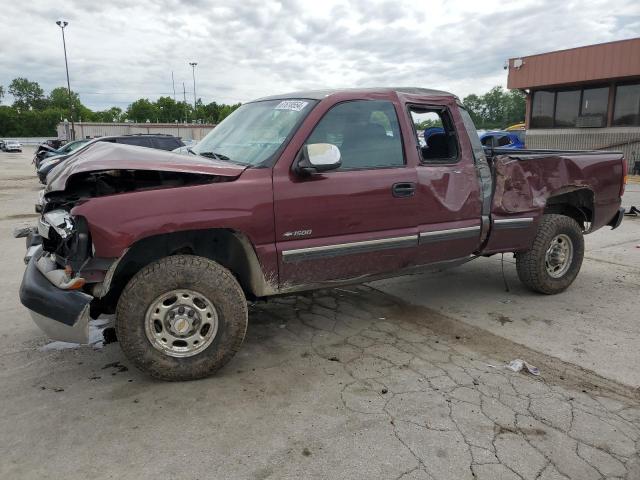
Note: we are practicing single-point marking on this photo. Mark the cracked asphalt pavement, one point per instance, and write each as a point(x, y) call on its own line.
point(350, 383)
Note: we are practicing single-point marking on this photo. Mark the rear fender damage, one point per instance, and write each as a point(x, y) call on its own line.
point(525, 185)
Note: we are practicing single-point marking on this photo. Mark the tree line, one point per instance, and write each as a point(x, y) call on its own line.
point(34, 114)
point(497, 109)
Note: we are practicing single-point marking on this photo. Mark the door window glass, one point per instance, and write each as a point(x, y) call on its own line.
point(435, 134)
point(366, 132)
point(504, 141)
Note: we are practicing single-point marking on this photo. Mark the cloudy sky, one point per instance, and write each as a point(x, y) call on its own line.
point(121, 50)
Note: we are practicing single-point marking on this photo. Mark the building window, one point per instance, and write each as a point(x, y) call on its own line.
point(570, 108)
point(542, 109)
point(593, 110)
point(567, 108)
point(627, 106)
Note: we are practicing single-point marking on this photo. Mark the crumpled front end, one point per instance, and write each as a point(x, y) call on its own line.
point(62, 314)
point(59, 274)
point(69, 273)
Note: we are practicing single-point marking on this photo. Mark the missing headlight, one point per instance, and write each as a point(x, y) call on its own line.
point(61, 221)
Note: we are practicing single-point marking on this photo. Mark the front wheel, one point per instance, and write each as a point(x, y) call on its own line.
point(556, 256)
point(181, 318)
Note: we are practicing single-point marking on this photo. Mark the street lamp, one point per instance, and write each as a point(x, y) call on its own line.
point(193, 70)
point(62, 24)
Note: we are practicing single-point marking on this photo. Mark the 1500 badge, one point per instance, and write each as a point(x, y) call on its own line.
point(297, 233)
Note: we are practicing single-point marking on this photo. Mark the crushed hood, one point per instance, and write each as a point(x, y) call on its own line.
point(106, 156)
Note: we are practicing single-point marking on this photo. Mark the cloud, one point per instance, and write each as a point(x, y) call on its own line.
point(120, 50)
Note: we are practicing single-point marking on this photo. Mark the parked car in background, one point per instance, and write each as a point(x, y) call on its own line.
point(157, 141)
point(185, 149)
point(63, 150)
point(12, 146)
point(503, 139)
point(47, 146)
point(291, 193)
point(1, 144)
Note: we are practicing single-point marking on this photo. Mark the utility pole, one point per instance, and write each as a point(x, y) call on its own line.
point(62, 24)
point(174, 86)
point(184, 96)
point(193, 71)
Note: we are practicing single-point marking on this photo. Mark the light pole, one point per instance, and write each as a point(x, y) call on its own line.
point(63, 23)
point(193, 70)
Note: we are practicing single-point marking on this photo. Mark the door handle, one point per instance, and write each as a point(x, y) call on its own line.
point(403, 189)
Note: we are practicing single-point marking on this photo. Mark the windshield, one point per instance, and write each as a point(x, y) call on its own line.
point(252, 133)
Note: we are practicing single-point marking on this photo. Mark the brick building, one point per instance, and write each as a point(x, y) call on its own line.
point(582, 98)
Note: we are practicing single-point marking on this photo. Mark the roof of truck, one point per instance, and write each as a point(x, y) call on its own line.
point(320, 94)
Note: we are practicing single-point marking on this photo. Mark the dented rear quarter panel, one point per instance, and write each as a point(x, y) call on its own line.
point(524, 184)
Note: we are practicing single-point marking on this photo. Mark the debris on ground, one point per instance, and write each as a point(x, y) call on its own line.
point(109, 335)
point(632, 211)
point(518, 364)
point(117, 365)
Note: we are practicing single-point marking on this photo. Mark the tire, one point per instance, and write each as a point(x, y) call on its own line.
point(210, 286)
point(533, 269)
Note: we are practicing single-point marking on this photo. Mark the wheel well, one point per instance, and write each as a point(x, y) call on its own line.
point(577, 204)
point(230, 249)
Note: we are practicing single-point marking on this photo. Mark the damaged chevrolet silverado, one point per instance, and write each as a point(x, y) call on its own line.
point(291, 193)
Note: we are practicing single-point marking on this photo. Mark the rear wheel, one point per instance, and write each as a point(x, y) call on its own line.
point(181, 318)
point(556, 256)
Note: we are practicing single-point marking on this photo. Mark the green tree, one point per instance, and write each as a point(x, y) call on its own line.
point(113, 114)
point(59, 98)
point(142, 110)
point(496, 109)
point(27, 95)
point(168, 110)
point(1, 93)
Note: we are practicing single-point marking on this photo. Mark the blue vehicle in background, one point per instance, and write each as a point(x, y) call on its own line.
point(431, 131)
point(503, 139)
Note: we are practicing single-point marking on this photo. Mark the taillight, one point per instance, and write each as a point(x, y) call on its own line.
point(625, 172)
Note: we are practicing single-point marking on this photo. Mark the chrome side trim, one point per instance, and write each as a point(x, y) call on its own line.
point(505, 223)
point(450, 234)
point(327, 251)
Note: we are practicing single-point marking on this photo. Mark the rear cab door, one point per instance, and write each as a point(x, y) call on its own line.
point(357, 221)
point(450, 198)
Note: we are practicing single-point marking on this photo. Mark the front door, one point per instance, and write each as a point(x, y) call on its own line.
point(356, 221)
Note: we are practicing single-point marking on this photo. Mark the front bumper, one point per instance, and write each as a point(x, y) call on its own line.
point(61, 314)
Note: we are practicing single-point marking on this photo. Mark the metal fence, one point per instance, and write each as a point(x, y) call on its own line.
point(94, 129)
point(621, 139)
point(29, 140)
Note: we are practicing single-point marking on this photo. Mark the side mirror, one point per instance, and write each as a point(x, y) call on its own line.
point(318, 158)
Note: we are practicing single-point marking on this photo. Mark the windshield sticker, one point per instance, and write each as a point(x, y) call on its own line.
point(295, 105)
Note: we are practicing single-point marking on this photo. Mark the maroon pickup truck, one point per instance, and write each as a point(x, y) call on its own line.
point(291, 193)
